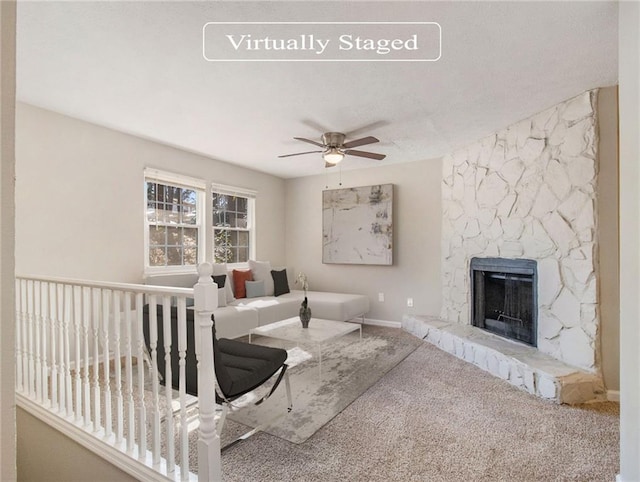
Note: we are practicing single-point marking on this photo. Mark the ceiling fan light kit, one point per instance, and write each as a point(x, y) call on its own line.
point(335, 148)
point(333, 155)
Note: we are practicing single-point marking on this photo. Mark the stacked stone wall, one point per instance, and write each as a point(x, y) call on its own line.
point(529, 191)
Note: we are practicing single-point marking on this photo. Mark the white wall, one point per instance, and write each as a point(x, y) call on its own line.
point(416, 237)
point(46, 454)
point(609, 236)
point(80, 197)
point(629, 95)
point(7, 166)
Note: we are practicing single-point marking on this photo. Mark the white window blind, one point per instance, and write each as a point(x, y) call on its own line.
point(233, 191)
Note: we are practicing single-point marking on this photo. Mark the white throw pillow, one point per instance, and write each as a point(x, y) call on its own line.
point(222, 297)
point(219, 269)
point(261, 271)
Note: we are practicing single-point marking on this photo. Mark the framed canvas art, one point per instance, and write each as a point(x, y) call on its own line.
point(357, 225)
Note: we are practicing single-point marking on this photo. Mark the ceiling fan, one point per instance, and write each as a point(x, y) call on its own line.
point(334, 148)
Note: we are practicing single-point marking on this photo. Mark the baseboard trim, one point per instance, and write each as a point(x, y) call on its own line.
point(619, 478)
point(613, 395)
point(387, 323)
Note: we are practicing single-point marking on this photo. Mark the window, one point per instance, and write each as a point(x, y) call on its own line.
point(173, 227)
point(233, 226)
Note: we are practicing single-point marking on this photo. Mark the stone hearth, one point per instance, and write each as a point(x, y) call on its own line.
point(522, 366)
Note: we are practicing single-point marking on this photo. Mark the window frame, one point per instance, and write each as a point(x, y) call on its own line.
point(250, 195)
point(176, 180)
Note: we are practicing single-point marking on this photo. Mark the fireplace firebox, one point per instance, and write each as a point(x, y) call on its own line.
point(504, 297)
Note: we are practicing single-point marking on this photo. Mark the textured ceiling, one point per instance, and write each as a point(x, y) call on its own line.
point(138, 67)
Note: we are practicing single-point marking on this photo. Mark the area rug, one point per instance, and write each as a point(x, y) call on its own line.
point(349, 367)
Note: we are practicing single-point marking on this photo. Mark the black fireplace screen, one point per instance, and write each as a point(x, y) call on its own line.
point(504, 297)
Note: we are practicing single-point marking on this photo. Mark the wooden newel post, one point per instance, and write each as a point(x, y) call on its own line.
point(205, 294)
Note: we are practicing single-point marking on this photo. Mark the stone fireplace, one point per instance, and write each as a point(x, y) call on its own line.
point(529, 192)
point(526, 194)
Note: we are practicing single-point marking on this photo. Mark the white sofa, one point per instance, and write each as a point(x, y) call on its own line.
point(241, 315)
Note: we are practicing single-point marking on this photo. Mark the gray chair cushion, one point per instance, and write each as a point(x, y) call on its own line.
point(242, 367)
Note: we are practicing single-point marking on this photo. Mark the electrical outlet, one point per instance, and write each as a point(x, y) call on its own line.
point(410, 302)
point(381, 297)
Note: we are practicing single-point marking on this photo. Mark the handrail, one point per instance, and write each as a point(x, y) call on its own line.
point(136, 288)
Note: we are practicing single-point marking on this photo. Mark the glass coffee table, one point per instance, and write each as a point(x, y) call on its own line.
point(319, 333)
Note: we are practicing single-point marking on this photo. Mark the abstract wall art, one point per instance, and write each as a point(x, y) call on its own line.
point(357, 225)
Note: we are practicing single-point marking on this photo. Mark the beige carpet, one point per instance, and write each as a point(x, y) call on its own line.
point(436, 418)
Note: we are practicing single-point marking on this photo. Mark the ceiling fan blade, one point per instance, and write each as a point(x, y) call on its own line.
point(360, 142)
point(316, 126)
point(300, 153)
point(370, 155)
point(366, 128)
point(309, 141)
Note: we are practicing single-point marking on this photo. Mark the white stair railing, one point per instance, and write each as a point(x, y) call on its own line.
point(86, 364)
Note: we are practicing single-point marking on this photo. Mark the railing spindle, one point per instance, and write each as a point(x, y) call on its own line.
point(68, 315)
point(108, 417)
point(18, 342)
point(31, 321)
point(86, 385)
point(53, 333)
point(153, 344)
point(62, 386)
point(118, 364)
point(42, 332)
point(37, 345)
point(95, 334)
point(168, 379)
point(25, 335)
point(57, 352)
point(129, 375)
point(142, 411)
point(44, 319)
point(77, 328)
point(182, 363)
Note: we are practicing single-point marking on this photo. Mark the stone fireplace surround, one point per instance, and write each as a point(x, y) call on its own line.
point(528, 191)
